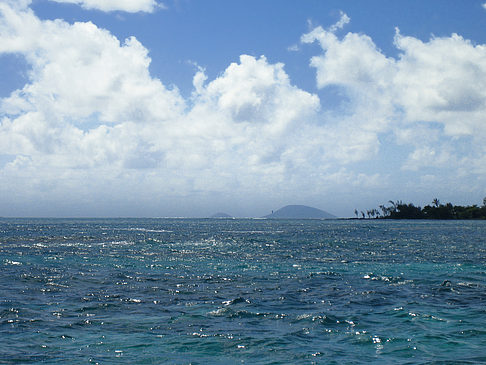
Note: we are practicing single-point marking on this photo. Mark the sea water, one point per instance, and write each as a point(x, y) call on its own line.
point(209, 291)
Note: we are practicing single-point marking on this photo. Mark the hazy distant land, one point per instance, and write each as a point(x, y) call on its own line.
point(289, 212)
point(299, 212)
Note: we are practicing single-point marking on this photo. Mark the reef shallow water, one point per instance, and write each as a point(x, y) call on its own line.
point(241, 290)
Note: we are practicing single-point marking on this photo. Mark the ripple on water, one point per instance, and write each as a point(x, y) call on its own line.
point(182, 291)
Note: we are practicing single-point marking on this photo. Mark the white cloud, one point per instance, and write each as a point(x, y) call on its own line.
point(130, 6)
point(441, 82)
point(341, 22)
point(80, 70)
point(356, 64)
point(93, 121)
point(81, 76)
point(17, 4)
point(91, 105)
point(427, 156)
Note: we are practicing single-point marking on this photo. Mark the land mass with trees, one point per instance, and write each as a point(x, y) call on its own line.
point(436, 210)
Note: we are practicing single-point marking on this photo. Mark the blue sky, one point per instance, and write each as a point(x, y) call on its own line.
point(185, 108)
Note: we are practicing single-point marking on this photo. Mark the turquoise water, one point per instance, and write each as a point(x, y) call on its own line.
point(183, 291)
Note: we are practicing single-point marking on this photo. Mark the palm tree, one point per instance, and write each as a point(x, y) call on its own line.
point(436, 202)
point(384, 210)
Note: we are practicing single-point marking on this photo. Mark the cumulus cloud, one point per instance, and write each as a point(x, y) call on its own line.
point(441, 82)
point(81, 75)
point(92, 120)
point(79, 69)
point(130, 6)
point(91, 105)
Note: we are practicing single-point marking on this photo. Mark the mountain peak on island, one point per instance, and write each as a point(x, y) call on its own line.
point(299, 212)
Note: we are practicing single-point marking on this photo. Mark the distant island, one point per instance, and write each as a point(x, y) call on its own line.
point(221, 215)
point(299, 212)
point(437, 210)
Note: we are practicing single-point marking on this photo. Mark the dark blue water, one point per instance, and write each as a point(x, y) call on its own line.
point(151, 291)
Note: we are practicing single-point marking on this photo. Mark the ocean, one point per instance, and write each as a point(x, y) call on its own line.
point(232, 291)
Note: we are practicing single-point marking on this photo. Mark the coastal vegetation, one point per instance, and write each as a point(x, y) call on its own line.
point(435, 210)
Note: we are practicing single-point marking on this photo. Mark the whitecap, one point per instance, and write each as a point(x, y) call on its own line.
point(10, 262)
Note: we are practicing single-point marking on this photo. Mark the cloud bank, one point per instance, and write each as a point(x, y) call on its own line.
point(93, 130)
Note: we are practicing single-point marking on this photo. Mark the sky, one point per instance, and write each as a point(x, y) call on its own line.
point(185, 108)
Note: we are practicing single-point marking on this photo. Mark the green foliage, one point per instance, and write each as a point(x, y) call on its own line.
point(400, 210)
point(406, 211)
